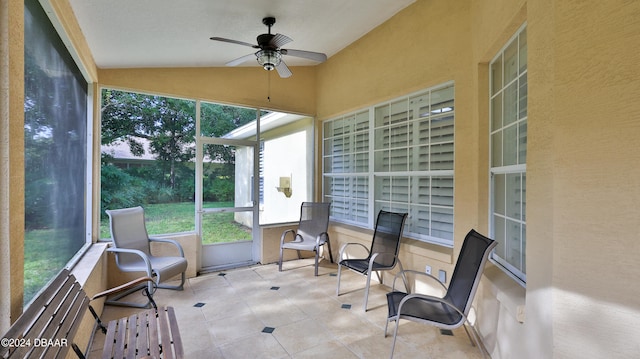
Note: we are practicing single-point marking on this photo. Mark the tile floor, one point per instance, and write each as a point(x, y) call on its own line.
point(258, 312)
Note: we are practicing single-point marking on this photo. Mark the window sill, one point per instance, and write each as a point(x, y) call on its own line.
point(507, 291)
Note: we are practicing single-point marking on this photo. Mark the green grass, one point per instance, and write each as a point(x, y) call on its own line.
point(180, 217)
point(44, 257)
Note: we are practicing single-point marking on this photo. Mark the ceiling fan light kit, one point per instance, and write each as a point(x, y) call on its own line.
point(270, 53)
point(269, 59)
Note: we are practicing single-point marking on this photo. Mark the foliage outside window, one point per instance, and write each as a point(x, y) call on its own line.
point(411, 166)
point(508, 138)
point(55, 131)
point(148, 154)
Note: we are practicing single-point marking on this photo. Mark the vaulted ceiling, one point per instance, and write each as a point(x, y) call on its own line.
point(169, 33)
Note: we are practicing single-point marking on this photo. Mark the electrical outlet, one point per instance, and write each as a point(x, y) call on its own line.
point(427, 269)
point(442, 276)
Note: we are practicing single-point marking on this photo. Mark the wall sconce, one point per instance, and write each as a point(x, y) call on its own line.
point(285, 186)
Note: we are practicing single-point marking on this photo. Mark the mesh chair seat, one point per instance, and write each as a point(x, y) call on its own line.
point(163, 267)
point(362, 265)
point(422, 308)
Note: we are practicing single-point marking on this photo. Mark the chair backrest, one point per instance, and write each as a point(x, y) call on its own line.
point(314, 219)
point(468, 270)
point(129, 231)
point(386, 237)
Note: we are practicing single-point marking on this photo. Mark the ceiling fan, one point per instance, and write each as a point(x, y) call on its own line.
point(270, 51)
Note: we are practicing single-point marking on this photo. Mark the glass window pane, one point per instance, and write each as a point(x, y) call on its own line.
point(381, 161)
point(510, 141)
point(496, 149)
point(496, 75)
point(522, 96)
point(442, 191)
point(496, 112)
point(522, 142)
point(510, 105)
point(442, 129)
point(383, 188)
point(522, 53)
point(55, 158)
point(511, 62)
point(400, 189)
point(442, 223)
point(399, 160)
point(514, 196)
point(382, 116)
point(513, 244)
point(499, 190)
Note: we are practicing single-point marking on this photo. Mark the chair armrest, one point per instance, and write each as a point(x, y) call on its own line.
point(174, 242)
point(137, 252)
point(284, 235)
point(419, 273)
point(344, 247)
point(122, 287)
point(323, 234)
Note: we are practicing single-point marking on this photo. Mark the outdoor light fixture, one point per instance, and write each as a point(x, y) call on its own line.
point(269, 59)
point(285, 186)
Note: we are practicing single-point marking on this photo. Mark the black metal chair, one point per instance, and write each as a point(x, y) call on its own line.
point(450, 311)
point(383, 254)
point(312, 231)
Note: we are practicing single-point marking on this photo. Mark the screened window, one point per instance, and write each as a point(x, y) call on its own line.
point(407, 166)
point(56, 147)
point(508, 141)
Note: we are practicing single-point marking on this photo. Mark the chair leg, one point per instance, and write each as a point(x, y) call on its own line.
point(338, 287)
point(280, 261)
point(317, 255)
point(395, 334)
point(164, 286)
point(366, 291)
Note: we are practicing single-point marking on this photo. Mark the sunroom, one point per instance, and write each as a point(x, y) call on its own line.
point(466, 115)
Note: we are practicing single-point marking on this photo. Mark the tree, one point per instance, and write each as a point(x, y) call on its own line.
point(167, 125)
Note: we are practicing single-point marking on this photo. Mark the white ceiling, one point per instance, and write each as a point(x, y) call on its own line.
point(170, 33)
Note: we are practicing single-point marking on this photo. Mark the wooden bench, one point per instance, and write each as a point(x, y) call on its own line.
point(47, 328)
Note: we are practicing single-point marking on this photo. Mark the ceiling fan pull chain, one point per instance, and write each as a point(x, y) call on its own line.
point(269, 86)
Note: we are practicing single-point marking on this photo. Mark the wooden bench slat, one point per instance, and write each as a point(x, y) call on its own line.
point(154, 345)
point(175, 332)
point(132, 333)
point(142, 343)
point(165, 334)
point(109, 340)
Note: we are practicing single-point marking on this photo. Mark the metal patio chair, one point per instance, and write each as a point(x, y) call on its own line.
point(383, 254)
point(311, 233)
point(450, 311)
point(131, 246)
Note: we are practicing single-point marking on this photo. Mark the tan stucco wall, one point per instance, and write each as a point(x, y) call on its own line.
point(246, 86)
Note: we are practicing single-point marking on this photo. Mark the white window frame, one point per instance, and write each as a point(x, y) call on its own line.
point(358, 176)
point(507, 160)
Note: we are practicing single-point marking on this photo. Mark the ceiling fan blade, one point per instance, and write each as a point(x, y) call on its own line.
point(240, 60)
point(233, 41)
point(315, 56)
point(278, 40)
point(283, 70)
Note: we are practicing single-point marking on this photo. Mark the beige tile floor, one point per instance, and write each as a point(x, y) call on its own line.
point(309, 320)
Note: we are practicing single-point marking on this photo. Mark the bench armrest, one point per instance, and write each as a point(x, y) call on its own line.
point(122, 287)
